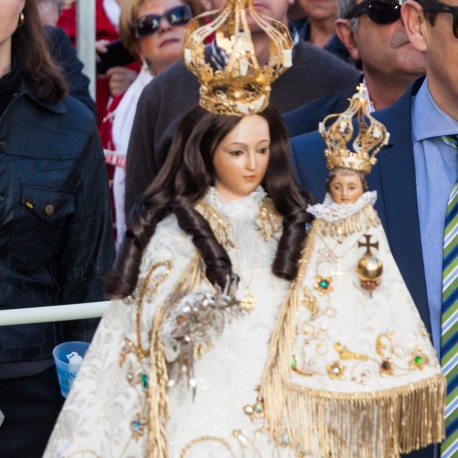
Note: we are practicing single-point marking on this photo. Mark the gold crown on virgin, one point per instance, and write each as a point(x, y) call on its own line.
point(371, 136)
point(241, 86)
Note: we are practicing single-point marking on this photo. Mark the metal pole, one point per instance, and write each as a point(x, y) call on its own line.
point(53, 313)
point(85, 41)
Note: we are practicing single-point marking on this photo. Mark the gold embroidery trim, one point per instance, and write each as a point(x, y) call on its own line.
point(310, 303)
point(198, 440)
point(219, 225)
point(346, 355)
point(137, 374)
point(156, 446)
point(150, 290)
point(269, 222)
point(347, 226)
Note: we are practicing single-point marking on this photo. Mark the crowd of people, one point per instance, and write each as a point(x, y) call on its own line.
point(183, 216)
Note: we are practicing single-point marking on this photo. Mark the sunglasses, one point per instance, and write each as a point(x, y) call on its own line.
point(378, 11)
point(439, 7)
point(149, 24)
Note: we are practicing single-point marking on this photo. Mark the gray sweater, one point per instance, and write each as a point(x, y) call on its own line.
point(174, 92)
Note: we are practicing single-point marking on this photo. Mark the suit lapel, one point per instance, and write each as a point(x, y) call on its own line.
point(394, 179)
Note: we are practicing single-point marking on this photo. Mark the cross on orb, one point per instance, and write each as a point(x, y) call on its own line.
point(368, 245)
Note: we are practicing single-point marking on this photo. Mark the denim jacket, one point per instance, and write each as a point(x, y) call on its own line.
point(55, 224)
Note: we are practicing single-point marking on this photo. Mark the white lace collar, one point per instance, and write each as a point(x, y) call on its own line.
point(244, 207)
point(331, 212)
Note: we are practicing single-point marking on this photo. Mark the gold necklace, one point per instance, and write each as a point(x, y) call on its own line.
point(248, 301)
point(335, 258)
point(338, 243)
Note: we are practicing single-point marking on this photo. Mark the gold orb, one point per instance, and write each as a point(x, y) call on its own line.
point(369, 268)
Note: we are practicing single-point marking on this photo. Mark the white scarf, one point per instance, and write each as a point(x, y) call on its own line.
point(122, 127)
point(113, 11)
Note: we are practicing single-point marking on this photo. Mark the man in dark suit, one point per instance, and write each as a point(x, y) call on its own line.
point(389, 62)
point(416, 171)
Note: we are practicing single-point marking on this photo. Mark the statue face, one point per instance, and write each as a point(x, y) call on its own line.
point(346, 187)
point(242, 157)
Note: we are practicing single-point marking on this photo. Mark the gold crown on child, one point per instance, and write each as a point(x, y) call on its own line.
point(371, 136)
point(241, 86)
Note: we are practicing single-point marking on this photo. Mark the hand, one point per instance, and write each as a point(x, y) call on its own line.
point(119, 79)
point(101, 48)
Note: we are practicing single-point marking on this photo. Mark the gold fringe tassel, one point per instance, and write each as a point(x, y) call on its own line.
point(352, 224)
point(156, 445)
point(382, 424)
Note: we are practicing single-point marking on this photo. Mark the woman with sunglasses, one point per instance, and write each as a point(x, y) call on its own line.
point(152, 31)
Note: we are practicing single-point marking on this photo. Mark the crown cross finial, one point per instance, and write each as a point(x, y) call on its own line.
point(242, 86)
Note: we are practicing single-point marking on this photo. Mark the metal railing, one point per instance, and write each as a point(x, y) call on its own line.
point(53, 313)
point(85, 42)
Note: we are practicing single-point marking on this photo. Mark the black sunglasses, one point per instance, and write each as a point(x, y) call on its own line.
point(149, 24)
point(378, 11)
point(439, 7)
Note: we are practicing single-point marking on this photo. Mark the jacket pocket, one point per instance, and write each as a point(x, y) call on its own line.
point(41, 219)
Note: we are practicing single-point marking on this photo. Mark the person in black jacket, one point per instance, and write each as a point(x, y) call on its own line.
point(64, 54)
point(55, 229)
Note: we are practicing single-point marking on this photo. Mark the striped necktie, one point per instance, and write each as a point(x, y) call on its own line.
point(451, 140)
point(449, 342)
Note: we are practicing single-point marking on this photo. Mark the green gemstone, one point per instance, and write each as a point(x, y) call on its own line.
point(386, 365)
point(418, 360)
point(144, 380)
point(258, 407)
point(324, 284)
point(293, 362)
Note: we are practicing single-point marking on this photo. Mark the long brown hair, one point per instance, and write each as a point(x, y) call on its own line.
point(44, 77)
point(186, 177)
